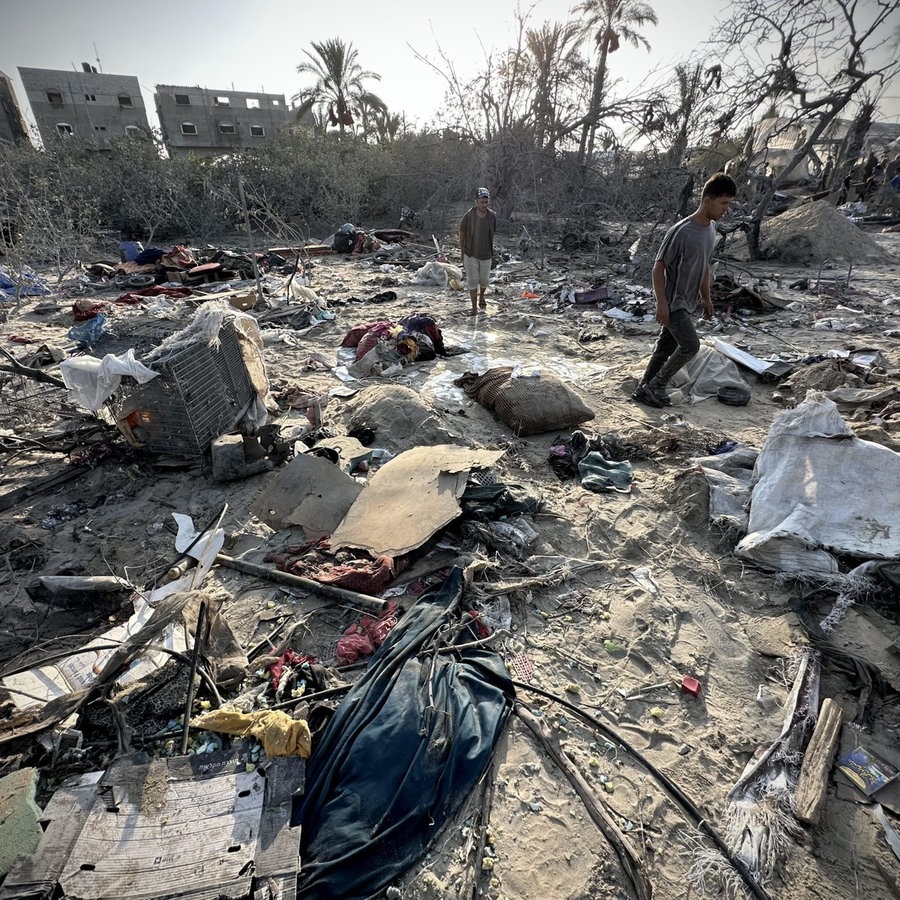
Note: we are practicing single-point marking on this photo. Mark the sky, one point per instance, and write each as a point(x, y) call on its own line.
point(256, 46)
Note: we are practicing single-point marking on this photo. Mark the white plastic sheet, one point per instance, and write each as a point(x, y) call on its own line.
point(820, 490)
point(702, 377)
point(91, 381)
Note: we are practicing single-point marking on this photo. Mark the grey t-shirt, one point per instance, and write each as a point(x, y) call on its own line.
point(686, 250)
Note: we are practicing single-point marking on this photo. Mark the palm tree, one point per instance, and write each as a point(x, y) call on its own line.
point(338, 88)
point(369, 109)
point(556, 62)
point(611, 22)
point(389, 126)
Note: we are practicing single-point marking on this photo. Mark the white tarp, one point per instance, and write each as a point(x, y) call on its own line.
point(821, 490)
point(702, 377)
point(729, 476)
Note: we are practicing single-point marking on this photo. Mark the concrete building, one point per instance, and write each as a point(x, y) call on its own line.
point(12, 125)
point(204, 121)
point(87, 105)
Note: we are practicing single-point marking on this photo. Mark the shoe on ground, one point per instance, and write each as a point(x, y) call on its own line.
point(658, 391)
point(643, 394)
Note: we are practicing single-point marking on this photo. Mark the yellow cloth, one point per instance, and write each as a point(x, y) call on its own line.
point(280, 734)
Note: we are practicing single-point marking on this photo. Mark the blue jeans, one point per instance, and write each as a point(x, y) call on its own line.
point(676, 346)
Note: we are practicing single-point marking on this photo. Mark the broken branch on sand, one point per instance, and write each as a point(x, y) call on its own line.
point(629, 859)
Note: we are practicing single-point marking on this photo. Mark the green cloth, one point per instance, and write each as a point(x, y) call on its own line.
point(599, 474)
point(479, 234)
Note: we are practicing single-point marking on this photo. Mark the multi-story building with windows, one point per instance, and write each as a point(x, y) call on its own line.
point(87, 105)
point(12, 125)
point(201, 120)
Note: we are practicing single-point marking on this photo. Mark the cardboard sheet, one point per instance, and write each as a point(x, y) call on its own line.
point(311, 492)
point(410, 498)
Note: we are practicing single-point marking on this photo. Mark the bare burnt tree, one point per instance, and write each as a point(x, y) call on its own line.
point(853, 143)
point(812, 61)
point(519, 109)
point(691, 113)
point(559, 75)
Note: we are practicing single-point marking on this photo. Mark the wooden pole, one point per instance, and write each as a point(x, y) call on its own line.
point(630, 861)
point(195, 662)
point(326, 590)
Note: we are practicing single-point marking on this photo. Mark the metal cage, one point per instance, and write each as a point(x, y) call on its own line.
point(202, 391)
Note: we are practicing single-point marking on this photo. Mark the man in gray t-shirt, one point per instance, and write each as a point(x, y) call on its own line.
point(681, 285)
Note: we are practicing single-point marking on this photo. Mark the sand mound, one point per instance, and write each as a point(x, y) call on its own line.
point(817, 231)
point(395, 418)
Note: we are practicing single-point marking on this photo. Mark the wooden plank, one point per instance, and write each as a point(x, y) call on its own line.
point(199, 827)
point(35, 877)
point(816, 768)
point(157, 830)
point(278, 847)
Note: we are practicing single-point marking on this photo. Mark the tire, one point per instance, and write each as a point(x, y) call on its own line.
point(731, 395)
point(571, 242)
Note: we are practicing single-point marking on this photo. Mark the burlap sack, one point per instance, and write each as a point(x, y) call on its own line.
point(526, 405)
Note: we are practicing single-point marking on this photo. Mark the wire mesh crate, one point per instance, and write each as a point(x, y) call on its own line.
point(202, 391)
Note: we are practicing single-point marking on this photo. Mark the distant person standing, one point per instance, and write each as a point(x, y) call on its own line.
point(476, 244)
point(826, 173)
point(680, 285)
point(869, 166)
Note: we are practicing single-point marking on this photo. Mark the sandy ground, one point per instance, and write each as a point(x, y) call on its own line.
point(600, 638)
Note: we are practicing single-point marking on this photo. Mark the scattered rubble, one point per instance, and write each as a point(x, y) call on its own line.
point(294, 550)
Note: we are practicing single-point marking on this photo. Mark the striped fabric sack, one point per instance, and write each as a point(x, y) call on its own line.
point(528, 405)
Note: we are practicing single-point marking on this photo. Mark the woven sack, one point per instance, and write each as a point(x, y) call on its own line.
point(526, 405)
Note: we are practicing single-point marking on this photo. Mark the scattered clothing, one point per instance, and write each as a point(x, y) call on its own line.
point(363, 575)
point(366, 636)
point(599, 474)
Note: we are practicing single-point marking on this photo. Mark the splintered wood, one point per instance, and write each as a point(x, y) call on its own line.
point(817, 763)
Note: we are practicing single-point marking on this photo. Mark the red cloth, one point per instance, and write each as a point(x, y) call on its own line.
point(141, 295)
point(366, 636)
point(363, 574)
point(371, 338)
point(355, 334)
point(288, 658)
point(179, 257)
point(87, 309)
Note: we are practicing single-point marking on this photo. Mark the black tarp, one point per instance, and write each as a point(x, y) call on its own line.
point(401, 753)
